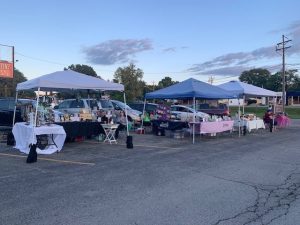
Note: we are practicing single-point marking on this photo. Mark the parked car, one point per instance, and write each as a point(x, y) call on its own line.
point(185, 113)
point(77, 105)
point(133, 115)
point(7, 106)
point(219, 110)
point(149, 107)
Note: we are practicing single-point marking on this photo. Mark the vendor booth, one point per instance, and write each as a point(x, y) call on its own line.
point(190, 89)
point(243, 90)
point(36, 124)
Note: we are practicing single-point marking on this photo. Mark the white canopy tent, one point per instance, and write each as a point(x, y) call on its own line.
point(68, 80)
point(243, 90)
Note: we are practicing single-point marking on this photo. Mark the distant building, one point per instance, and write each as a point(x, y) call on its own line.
point(293, 97)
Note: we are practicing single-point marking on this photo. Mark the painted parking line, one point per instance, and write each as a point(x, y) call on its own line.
point(146, 146)
point(51, 160)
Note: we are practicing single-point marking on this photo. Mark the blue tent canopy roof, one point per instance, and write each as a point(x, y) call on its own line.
point(190, 88)
point(243, 89)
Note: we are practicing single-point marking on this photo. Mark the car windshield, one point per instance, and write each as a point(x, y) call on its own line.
point(122, 105)
point(92, 103)
point(7, 104)
point(106, 104)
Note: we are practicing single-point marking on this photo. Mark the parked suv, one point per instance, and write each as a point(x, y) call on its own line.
point(149, 107)
point(7, 106)
point(133, 115)
point(76, 105)
point(219, 110)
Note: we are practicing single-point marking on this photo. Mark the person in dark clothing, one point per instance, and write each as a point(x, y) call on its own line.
point(269, 119)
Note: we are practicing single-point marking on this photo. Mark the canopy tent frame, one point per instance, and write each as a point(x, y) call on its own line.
point(243, 90)
point(67, 80)
point(190, 89)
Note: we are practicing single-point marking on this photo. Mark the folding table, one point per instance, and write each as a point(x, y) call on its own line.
point(110, 130)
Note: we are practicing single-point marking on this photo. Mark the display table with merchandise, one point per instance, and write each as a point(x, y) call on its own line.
point(254, 124)
point(25, 135)
point(168, 125)
point(81, 129)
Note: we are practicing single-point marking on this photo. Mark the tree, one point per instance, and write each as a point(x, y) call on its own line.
point(131, 78)
point(274, 83)
point(8, 86)
point(85, 69)
point(291, 78)
point(256, 77)
point(166, 82)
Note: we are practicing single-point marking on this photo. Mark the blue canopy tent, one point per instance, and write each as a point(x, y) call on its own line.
point(241, 90)
point(190, 89)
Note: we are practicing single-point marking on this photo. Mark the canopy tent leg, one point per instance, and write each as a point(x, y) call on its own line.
point(37, 105)
point(143, 115)
point(239, 117)
point(129, 143)
point(126, 113)
point(244, 99)
point(274, 111)
point(15, 108)
point(228, 105)
point(194, 105)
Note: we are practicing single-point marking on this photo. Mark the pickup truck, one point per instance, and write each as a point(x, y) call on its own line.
point(220, 110)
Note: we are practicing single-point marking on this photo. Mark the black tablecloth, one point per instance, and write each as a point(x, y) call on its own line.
point(86, 129)
point(168, 125)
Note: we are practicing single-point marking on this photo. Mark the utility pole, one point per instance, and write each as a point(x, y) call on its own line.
point(281, 46)
point(211, 79)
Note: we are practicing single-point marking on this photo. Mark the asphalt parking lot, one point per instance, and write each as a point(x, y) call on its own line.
point(254, 179)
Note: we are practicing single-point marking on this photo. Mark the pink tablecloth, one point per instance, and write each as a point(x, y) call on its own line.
point(213, 127)
point(283, 121)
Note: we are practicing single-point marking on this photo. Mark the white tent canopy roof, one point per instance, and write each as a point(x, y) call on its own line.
point(68, 79)
point(243, 89)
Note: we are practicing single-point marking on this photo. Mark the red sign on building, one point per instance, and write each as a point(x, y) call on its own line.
point(6, 69)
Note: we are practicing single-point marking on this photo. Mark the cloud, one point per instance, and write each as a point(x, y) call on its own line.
point(174, 49)
point(223, 71)
point(236, 60)
point(116, 51)
point(233, 63)
point(171, 49)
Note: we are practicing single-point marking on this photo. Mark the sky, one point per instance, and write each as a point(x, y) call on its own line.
point(175, 38)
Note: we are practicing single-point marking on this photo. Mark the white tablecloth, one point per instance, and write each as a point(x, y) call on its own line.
point(250, 124)
point(26, 135)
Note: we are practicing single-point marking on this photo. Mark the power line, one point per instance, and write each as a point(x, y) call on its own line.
point(39, 59)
